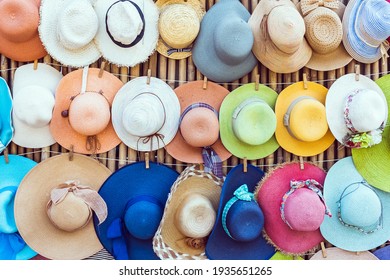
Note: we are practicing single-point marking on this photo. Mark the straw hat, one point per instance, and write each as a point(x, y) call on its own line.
point(6, 124)
point(279, 34)
point(301, 126)
point(223, 49)
point(178, 26)
point(366, 26)
point(248, 122)
point(360, 221)
point(189, 216)
point(75, 121)
point(146, 115)
point(12, 245)
point(383, 253)
point(19, 30)
point(135, 196)
point(54, 204)
point(334, 253)
point(237, 232)
point(356, 111)
point(34, 97)
point(131, 44)
point(67, 30)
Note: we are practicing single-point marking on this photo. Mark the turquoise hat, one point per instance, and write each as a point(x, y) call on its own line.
point(6, 128)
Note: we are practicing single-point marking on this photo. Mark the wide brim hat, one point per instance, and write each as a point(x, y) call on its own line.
point(237, 147)
point(131, 181)
point(169, 242)
point(269, 194)
point(45, 77)
point(341, 175)
point(31, 202)
point(170, 114)
point(216, 52)
point(219, 245)
point(128, 56)
point(19, 30)
point(334, 253)
point(372, 162)
point(12, 173)
point(382, 253)
point(70, 86)
point(6, 124)
point(189, 93)
point(283, 136)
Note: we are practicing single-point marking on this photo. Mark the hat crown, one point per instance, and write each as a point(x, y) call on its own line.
point(374, 21)
point(7, 219)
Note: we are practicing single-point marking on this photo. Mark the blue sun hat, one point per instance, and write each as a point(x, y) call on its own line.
point(135, 196)
point(383, 253)
point(6, 127)
point(12, 245)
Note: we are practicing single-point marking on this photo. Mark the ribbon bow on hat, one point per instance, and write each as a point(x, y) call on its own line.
point(309, 5)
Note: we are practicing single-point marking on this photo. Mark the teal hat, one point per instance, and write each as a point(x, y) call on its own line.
point(6, 128)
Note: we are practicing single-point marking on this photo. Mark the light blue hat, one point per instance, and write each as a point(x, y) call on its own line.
point(6, 128)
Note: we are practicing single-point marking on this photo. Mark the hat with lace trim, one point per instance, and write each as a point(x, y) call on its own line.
point(6, 124)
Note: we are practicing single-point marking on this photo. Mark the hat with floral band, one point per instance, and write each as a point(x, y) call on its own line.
point(334, 253)
point(6, 124)
point(356, 111)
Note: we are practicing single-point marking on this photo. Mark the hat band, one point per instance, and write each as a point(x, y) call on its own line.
point(248, 101)
point(309, 5)
point(172, 50)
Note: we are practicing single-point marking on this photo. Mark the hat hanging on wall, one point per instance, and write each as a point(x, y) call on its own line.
point(6, 124)
point(334, 253)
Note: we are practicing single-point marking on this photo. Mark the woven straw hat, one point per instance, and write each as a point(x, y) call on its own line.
point(334, 253)
point(6, 124)
point(178, 25)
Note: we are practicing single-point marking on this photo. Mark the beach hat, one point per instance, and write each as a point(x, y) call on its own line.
point(67, 29)
point(34, 97)
point(248, 121)
point(383, 253)
point(360, 211)
point(19, 30)
point(334, 253)
point(366, 26)
point(197, 139)
point(279, 36)
point(291, 228)
point(178, 26)
point(82, 111)
point(372, 163)
point(223, 49)
point(237, 232)
point(135, 196)
point(356, 111)
point(12, 245)
point(6, 125)
point(127, 44)
point(302, 128)
point(189, 216)
point(55, 203)
point(145, 115)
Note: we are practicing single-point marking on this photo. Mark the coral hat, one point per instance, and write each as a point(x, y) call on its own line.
point(6, 124)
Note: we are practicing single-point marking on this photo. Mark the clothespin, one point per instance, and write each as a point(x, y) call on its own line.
point(201, 167)
point(205, 82)
point(245, 164)
point(148, 77)
point(357, 253)
point(257, 82)
point(304, 81)
point(101, 71)
point(6, 156)
point(323, 250)
point(71, 152)
point(35, 64)
point(301, 164)
point(357, 72)
point(147, 159)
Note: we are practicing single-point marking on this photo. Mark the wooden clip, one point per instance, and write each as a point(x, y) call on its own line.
point(357, 72)
point(71, 152)
point(147, 159)
point(148, 77)
point(35, 64)
point(205, 82)
point(245, 164)
point(257, 82)
point(201, 167)
point(301, 164)
point(6, 156)
point(304, 81)
point(323, 250)
point(101, 71)
point(357, 253)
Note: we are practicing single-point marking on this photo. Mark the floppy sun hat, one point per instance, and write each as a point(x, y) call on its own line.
point(55, 203)
point(127, 44)
point(360, 211)
point(223, 49)
point(189, 216)
point(356, 111)
point(178, 26)
point(135, 196)
point(19, 35)
point(334, 253)
point(146, 115)
point(34, 97)
point(6, 124)
point(248, 121)
point(82, 111)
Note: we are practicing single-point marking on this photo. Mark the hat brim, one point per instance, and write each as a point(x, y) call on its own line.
point(330, 61)
point(6, 124)
point(229, 140)
point(334, 253)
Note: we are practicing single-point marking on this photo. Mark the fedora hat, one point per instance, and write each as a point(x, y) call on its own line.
point(12, 245)
point(145, 115)
point(291, 228)
point(6, 124)
point(55, 203)
point(334, 253)
point(178, 26)
point(356, 111)
point(279, 36)
point(223, 49)
point(127, 44)
point(382, 253)
point(237, 232)
point(302, 128)
point(135, 196)
point(34, 96)
point(67, 29)
point(82, 111)
point(248, 121)
point(197, 139)
point(360, 218)
point(366, 26)
point(19, 35)
point(189, 216)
